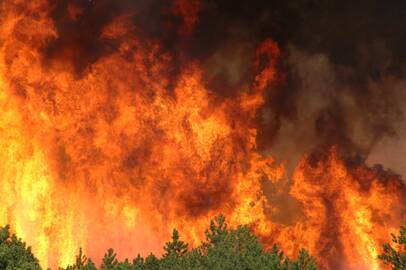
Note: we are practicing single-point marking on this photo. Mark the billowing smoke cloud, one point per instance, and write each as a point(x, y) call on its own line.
point(348, 66)
point(343, 60)
point(139, 116)
point(332, 111)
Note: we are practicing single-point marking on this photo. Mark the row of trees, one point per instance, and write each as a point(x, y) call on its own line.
point(224, 249)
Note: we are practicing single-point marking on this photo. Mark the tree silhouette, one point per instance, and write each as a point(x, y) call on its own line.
point(395, 254)
point(14, 254)
point(81, 263)
point(175, 246)
point(109, 261)
point(223, 249)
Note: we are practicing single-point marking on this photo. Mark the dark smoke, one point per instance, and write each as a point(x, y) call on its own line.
point(342, 63)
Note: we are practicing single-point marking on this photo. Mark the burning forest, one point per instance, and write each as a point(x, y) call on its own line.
point(123, 119)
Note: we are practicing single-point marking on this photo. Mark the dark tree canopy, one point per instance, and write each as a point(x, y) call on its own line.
point(14, 254)
point(223, 249)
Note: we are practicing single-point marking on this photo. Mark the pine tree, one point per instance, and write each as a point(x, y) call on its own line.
point(14, 254)
point(395, 254)
point(175, 246)
point(110, 261)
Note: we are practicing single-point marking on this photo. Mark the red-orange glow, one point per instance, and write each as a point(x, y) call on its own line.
point(117, 156)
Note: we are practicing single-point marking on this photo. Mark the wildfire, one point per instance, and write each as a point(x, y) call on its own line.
point(119, 153)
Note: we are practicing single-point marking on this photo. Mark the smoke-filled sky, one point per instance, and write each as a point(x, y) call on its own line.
point(121, 119)
point(343, 63)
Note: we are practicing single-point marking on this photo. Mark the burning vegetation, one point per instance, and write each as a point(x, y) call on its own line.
point(121, 120)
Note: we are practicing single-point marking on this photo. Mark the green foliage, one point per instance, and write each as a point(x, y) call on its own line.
point(240, 249)
point(109, 261)
point(223, 249)
point(14, 255)
point(138, 263)
point(175, 247)
point(151, 262)
point(395, 254)
point(82, 262)
point(305, 261)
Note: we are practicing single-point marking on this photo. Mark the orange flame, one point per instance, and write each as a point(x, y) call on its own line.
point(117, 157)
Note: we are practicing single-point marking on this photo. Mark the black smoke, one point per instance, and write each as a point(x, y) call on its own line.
point(342, 63)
